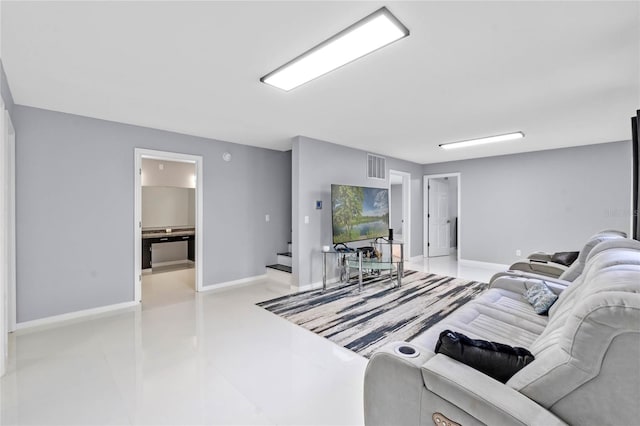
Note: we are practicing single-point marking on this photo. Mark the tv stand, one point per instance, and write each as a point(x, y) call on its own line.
point(390, 257)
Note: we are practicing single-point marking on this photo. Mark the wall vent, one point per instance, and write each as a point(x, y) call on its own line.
point(376, 167)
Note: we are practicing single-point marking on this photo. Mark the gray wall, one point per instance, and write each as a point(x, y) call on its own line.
point(395, 208)
point(546, 200)
point(75, 247)
point(317, 165)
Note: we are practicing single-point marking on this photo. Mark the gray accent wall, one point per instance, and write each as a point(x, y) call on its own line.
point(547, 200)
point(317, 165)
point(75, 209)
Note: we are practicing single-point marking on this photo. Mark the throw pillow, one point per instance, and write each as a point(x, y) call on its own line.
point(540, 297)
point(496, 360)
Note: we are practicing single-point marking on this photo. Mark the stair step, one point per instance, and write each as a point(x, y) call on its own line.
point(278, 267)
point(288, 254)
point(283, 259)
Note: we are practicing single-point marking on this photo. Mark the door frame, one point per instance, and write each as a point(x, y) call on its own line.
point(406, 209)
point(7, 234)
point(425, 212)
point(11, 222)
point(139, 154)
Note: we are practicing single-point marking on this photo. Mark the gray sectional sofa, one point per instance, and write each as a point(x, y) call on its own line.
point(587, 354)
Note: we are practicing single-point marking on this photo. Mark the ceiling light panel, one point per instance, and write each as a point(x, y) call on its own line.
point(482, 141)
point(365, 36)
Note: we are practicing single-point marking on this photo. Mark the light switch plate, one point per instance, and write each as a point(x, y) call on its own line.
point(306, 219)
point(267, 218)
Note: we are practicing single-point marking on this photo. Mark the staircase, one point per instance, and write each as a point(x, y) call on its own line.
point(281, 271)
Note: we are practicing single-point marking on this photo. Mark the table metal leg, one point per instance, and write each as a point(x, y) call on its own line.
point(324, 271)
point(360, 271)
point(401, 265)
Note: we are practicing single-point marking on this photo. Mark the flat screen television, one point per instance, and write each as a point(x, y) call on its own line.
point(359, 213)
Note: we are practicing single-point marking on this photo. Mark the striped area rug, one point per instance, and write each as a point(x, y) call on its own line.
point(364, 321)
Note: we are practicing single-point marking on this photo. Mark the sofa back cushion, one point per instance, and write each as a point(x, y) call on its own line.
point(596, 260)
point(591, 342)
point(576, 268)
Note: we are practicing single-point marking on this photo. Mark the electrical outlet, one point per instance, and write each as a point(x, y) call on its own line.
point(518, 252)
point(267, 218)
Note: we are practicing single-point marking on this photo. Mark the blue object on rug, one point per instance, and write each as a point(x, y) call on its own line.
point(364, 321)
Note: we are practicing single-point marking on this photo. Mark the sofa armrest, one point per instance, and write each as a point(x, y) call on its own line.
point(540, 256)
point(520, 282)
point(393, 386)
point(547, 269)
point(482, 397)
point(525, 274)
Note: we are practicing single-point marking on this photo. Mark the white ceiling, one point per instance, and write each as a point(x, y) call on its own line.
point(565, 73)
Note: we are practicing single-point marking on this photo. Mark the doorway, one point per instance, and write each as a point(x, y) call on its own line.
point(400, 208)
point(168, 220)
point(442, 215)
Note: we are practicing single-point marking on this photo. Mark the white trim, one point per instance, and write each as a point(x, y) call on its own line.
point(170, 263)
point(283, 277)
point(235, 283)
point(7, 234)
point(312, 286)
point(406, 209)
point(139, 153)
point(75, 315)
point(11, 210)
point(484, 265)
point(425, 211)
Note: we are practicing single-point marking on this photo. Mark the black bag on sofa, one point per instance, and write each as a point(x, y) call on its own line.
point(496, 360)
point(565, 258)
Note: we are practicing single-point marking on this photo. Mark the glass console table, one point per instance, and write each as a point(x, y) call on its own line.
point(387, 255)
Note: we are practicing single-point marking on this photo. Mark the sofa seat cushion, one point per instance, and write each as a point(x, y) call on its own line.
point(497, 315)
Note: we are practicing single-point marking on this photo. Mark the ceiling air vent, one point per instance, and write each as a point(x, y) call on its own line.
point(376, 167)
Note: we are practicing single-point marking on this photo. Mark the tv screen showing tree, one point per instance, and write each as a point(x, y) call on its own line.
point(359, 213)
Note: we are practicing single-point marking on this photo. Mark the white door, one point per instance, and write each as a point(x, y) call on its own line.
point(400, 219)
point(439, 223)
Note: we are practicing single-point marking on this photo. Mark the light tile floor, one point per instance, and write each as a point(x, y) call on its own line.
point(185, 358)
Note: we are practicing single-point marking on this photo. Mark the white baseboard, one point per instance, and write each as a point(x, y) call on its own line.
point(74, 315)
point(485, 265)
point(314, 286)
point(307, 287)
point(234, 283)
point(170, 263)
point(280, 276)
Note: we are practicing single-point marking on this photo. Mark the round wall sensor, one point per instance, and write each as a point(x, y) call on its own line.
point(226, 156)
